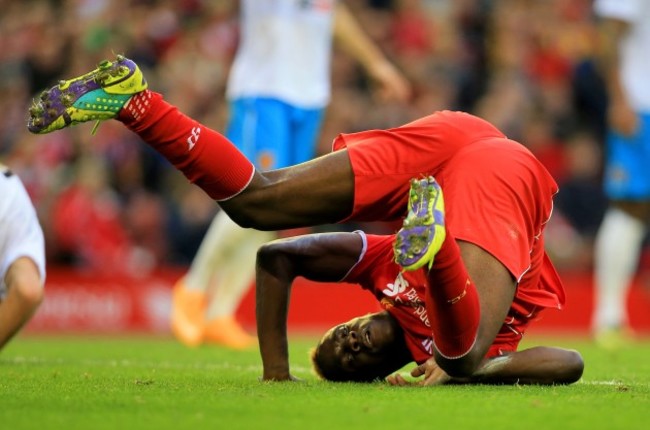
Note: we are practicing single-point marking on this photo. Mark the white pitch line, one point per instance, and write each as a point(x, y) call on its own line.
point(613, 382)
point(142, 364)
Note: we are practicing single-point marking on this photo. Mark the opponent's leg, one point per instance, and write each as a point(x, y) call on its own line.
point(188, 313)
point(617, 249)
point(190, 298)
point(190, 294)
point(206, 299)
point(236, 270)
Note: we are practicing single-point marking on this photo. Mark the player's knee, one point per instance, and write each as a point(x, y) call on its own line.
point(247, 218)
point(244, 210)
point(573, 368)
point(461, 367)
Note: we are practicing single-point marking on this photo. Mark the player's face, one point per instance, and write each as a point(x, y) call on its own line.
point(360, 343)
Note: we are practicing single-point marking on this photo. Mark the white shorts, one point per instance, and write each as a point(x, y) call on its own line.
point(20, 232)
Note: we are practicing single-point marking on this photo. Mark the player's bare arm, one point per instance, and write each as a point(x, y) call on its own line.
point(621, 115)
point(323, 257)
point(391, 84)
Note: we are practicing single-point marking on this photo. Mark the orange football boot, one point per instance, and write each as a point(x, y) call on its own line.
point(227, 332)
point(187, 318)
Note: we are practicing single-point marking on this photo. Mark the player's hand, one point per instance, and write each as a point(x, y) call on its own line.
point(398, 379)
point(277, 373)
point(391, 84)
point(279, 378)
point(433, 375)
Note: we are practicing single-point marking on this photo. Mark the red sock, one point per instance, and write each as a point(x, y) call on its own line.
point(205, 157)
point(452, 302)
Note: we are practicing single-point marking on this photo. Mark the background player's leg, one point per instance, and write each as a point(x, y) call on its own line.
point(234, 276)
point(190, 296)
point(617, 249)
point(206, 299)
point(620, 237)
point(260, 128)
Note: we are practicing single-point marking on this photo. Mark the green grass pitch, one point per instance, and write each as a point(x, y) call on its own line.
point(155, 383)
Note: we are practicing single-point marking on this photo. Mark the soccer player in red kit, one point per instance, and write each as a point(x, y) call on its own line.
point(373, 346)
point(477, 250)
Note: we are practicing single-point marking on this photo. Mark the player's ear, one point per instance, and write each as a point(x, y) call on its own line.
point(314, 363)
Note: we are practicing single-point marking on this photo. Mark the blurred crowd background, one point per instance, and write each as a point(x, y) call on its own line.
point(108, 203)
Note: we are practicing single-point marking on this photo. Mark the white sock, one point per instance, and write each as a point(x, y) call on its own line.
point(202, 268)
point(617, 250)
point(222, 239)
point(235, 273)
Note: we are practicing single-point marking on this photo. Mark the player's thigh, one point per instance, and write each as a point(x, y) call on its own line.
point(496, 290)
point(320, 191)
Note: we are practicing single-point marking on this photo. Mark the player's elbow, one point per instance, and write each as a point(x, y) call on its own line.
point(29, 292)
point(24, 283)
point(273, 260)
point(267, 254)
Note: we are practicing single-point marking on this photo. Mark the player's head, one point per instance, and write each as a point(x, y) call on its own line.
point(363, 349)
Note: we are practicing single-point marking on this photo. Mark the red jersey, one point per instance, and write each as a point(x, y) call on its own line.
point(498, 196)
point(402, 294)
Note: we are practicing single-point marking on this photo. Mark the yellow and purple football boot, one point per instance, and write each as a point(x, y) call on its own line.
point(423, 230)
point(96, 96)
